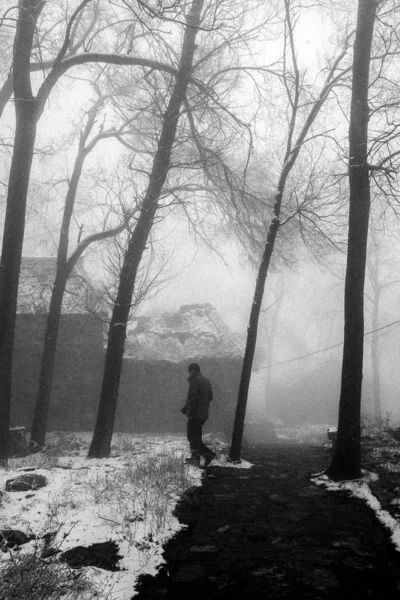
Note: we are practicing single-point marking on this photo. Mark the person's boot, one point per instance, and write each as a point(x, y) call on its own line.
point(208, 458)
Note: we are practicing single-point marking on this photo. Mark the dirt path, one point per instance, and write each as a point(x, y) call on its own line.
point(268, 532)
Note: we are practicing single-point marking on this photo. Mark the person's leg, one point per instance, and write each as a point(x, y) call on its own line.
point(194, 438)
point(203, 449)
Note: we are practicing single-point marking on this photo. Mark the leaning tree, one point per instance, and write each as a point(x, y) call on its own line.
point(187, 132)
point(101, 442)
point(304, 106)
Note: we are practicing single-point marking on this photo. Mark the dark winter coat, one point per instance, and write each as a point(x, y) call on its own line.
point(199, 397)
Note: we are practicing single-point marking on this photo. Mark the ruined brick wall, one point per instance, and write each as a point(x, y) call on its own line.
point(78, 371)
point(151, 393)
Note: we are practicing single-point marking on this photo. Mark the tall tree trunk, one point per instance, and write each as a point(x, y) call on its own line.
point(293, 147)
point(240, 413)
point(241, 405)
point(39, 423)
point(26, 112)
point(64, 267)
point(101, 442)
point(346, 461)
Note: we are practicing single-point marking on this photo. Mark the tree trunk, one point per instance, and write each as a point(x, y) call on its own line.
point(101, 442)
point(26, 112)
point(63, 270)
point(293, 147)
point(240, 413)
point(39, 423)
point(346, 461)
point(241, 405)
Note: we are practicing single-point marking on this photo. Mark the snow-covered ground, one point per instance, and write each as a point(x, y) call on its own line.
point(385, 452)
point(128, 498)
point(360, 489)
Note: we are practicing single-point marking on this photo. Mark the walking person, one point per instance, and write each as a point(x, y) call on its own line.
point(196, 410)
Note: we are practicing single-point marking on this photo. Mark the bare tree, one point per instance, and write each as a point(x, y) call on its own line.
point(346, 461)
point(299, 133)
point(65, 263)
point(80, 46)
point(201, 136)
point(101, 442)
point(28, 109)
point(16, 205)
point(153, 275)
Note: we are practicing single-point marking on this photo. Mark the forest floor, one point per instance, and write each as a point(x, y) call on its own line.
point(270, 532)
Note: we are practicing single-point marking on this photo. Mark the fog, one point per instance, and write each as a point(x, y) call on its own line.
point(306, 318)
point(296, 372)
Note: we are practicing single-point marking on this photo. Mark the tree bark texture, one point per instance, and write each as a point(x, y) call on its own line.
point(346, 461)
point(101, 442)
point(27, 114)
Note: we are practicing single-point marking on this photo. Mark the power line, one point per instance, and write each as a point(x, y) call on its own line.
point(386, 332)
point(284, 362)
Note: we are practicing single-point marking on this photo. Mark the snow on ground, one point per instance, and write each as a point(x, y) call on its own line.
point(128, 498)
point(359, 488)
point(385, 451)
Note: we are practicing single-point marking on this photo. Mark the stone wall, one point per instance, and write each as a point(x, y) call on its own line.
point(78, 371)
point(151, 393)
point(154, 392)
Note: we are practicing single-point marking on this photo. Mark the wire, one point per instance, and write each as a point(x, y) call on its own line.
point(284, 362)
point(385, 332)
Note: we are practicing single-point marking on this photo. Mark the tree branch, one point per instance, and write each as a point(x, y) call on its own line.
point(96, 237)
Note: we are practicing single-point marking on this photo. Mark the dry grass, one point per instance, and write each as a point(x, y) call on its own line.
point(33, 577)
point(136, 494)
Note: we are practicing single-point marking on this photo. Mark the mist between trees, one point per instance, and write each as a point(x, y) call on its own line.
point(119, 119)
